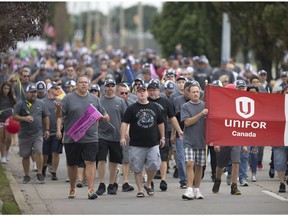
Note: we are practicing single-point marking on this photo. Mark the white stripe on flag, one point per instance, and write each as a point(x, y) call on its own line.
point(286, 123)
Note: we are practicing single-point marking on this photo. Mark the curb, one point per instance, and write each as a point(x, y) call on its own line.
point(18, 196)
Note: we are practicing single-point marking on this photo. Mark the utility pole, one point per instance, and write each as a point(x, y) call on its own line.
point(226, 37)
point(122, 27)
point(97, 26)
point(88, 27)
point(140, 27)
point(108, 27)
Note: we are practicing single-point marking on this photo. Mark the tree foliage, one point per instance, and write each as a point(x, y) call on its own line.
point(20, 20)
point(196, 25)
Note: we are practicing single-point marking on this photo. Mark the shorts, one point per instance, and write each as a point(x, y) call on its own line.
point(115, 151)
point(140, 156)
point(228, 154)
point(280, 158)
point(196, 155)
point(51, 145)
point(29, 145)
point(164, 151)
point(80, 152)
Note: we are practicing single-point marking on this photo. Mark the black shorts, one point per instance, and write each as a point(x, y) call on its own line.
point(164, 152)
point(115, 151)
point(52, 144)
point(80, 152)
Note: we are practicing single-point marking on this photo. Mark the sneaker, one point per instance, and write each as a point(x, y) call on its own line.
point(92, 194)
point(8, 157)
point(216, 186)
point(158, 175)
point(72, 193)
point(34, 167)
point(54, 176)
point(111, 190)
point(228, 179)
point(4, 161)
point(197, 194)
point(282, 188)
point(271, 172)
point(163, 185)
point(175, 174)
point(213, 177)
point(79, 184)
point(188, 195)
point(126, 187)
point(101, 189)
point(254, 178)
point(40, 178)
point(115, 185)
point(234, 190)
point(244, 183)
point(67, 180)
point(26, 179)
point(183, 185)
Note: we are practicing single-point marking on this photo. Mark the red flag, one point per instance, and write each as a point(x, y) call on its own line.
point(242, 118)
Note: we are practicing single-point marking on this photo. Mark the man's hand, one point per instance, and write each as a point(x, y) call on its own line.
point(123, 142)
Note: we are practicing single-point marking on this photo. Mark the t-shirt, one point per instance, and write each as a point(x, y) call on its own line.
point(52, 117)
point(166, 109)
point(143, 120)
point(38, 111)
point(194, 135)
point(5, 104)
point(115, 108)
point(73, 108)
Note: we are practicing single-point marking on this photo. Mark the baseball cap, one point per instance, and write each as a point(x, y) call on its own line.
point(52, 85)
point(217, 83)
point(141, 87)
point(95, 87)
point(153, 85)
point(31, 87)
point(169, 86)
point(181, 78)
point(109, 81)
point(169, 72)
point(240, 83)
point(262, 72)
point(70, 83)
point(40, 86)
point(190, 69)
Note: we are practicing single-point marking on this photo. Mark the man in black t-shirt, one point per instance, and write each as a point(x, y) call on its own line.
point(145, 121)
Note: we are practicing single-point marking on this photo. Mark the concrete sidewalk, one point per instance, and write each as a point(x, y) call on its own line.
point(260, 197)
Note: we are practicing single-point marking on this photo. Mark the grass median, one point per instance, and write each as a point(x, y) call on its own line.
point(6, 195)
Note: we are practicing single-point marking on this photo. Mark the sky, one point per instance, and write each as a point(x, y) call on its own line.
point(75, 7)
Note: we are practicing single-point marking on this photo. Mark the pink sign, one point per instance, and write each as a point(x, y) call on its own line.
point(78, 130)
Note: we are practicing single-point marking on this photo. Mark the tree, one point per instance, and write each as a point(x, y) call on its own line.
point(196, 25)
point(264, 27)
point(19, 21)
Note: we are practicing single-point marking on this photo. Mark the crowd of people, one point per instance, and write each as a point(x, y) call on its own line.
point(152, 110)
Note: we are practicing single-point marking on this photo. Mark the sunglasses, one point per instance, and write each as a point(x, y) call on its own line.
point(26, 76)
point(122, 93)
point(93, 90)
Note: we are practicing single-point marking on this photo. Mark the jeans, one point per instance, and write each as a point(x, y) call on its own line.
point(243, 167)
point(254, 158)
point(181, 161)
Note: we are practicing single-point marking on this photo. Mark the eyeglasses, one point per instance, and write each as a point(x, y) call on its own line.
point(83, 82)
point(26, 76)
point(109, 86)
point(93, 90)
point(122, 93)
point(170, 75)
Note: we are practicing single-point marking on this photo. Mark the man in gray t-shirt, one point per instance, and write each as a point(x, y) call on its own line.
point(30, 136)
point(193, 115)
point(72, 108)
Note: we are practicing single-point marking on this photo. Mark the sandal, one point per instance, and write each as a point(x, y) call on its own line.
point(140, 195)
point(150, 191)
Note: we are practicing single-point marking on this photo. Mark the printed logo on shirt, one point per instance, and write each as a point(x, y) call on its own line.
point(145, 118)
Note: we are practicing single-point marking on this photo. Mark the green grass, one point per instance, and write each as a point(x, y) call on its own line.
point(9, 204)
